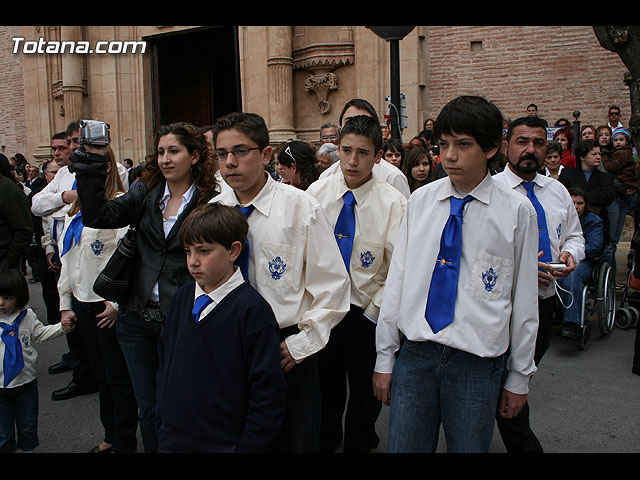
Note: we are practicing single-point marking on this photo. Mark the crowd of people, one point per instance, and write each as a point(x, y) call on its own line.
point(279, 296)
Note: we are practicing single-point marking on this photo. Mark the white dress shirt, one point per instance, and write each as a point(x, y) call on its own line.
point(168, 223)
point(563, 224)
point(48, 201)
point(30, 331)
point(219, 293)
point(493, 313)
point(378, 212)
point(295, 264)
point(383, 171)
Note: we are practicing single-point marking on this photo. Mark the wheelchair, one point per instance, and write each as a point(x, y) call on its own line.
point(598, 299)
point(629, 308)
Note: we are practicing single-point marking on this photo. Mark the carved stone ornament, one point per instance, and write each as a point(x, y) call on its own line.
point(321, 84)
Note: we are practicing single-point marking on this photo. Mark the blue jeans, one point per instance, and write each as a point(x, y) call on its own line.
point(617, 213)
point(575, 283)
point(138, 340)
point(19, 412)
point(433, 384)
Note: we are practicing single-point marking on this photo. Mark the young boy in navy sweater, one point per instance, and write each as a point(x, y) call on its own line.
point(220, 387)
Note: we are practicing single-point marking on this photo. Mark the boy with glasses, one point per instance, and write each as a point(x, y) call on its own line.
point(293, 262)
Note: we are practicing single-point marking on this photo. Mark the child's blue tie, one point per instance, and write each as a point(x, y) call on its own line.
point(243, 259)
point(345, 228)
point(444, 281)
point(13, 361)
point(199, 305)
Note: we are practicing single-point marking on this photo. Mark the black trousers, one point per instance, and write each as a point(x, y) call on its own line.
point(349, 359)
point(118, 406)
point(516, 432)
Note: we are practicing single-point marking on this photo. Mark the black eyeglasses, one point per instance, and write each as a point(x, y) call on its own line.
point(614, 113)
point(237, 152)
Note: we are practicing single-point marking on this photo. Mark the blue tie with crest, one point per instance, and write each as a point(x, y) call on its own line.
point(13, 361)
point(345, 228)
point(544, 244)
point(444, 281)
point(243, 259)
point(199, 305)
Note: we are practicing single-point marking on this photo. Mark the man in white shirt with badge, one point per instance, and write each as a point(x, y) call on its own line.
point(459, 295)
point(560, 240)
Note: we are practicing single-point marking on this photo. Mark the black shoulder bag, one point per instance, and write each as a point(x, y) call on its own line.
point(113, 282)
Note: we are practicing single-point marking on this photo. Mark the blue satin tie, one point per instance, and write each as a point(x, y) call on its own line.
point(55, 222)
point(74, 231)
point(199, 305)
point(345, 228)
point(444, 281)
point(544, 244)
point(13, 361)
point(243, 259)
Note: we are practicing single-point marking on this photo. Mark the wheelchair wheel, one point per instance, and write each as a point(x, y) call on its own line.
point(606, 299)
point(635, 313)
point(623, 318)
point(583, 336)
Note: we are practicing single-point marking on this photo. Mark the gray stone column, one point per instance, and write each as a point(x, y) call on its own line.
point(72, 73)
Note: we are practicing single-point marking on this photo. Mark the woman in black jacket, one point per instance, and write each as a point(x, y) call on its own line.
point(598, 185)
point(178, 176)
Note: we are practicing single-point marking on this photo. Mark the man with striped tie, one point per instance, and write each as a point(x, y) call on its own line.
point(460, 295)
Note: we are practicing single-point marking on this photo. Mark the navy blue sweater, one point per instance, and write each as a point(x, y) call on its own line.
point(220, 387)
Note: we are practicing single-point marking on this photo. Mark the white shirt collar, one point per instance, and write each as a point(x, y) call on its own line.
point(186, 197)
point(223, 290)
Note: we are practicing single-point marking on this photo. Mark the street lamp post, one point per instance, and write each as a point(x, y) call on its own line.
point(393, 35)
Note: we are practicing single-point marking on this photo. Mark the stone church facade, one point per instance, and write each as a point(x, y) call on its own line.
point(296, 77)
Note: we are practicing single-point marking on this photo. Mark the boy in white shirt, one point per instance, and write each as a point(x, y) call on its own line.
point(350, 354)
point(293, 262)
point(464, 302)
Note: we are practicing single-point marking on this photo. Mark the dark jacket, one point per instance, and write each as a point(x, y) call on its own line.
point(599, 191)
point(623, 166)
point(16, 226)
point(160, 260)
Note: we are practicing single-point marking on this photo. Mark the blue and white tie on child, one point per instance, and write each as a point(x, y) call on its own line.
point(444, 281)
point(345, 228)
point(199, 305)
point(12, 361)
point(74, 231)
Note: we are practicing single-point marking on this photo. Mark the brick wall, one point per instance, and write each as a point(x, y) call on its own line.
point(561, 69)
point(13, 136)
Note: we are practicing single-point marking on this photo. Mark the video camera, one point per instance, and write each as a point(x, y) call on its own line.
point(94, 132)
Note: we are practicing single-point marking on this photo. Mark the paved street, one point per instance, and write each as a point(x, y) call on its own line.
point(581, 401)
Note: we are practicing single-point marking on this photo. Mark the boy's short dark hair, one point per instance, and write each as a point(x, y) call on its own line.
point(471, 115)
point(14, 284)
point(360, 104)
point(214, 223)
point(366, 126)
point(250, 124)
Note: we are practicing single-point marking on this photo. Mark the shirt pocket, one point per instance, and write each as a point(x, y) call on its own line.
point(556, 226)
point(491, 276)
point(100, 244)
point(366, 256)
point(275, 264)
